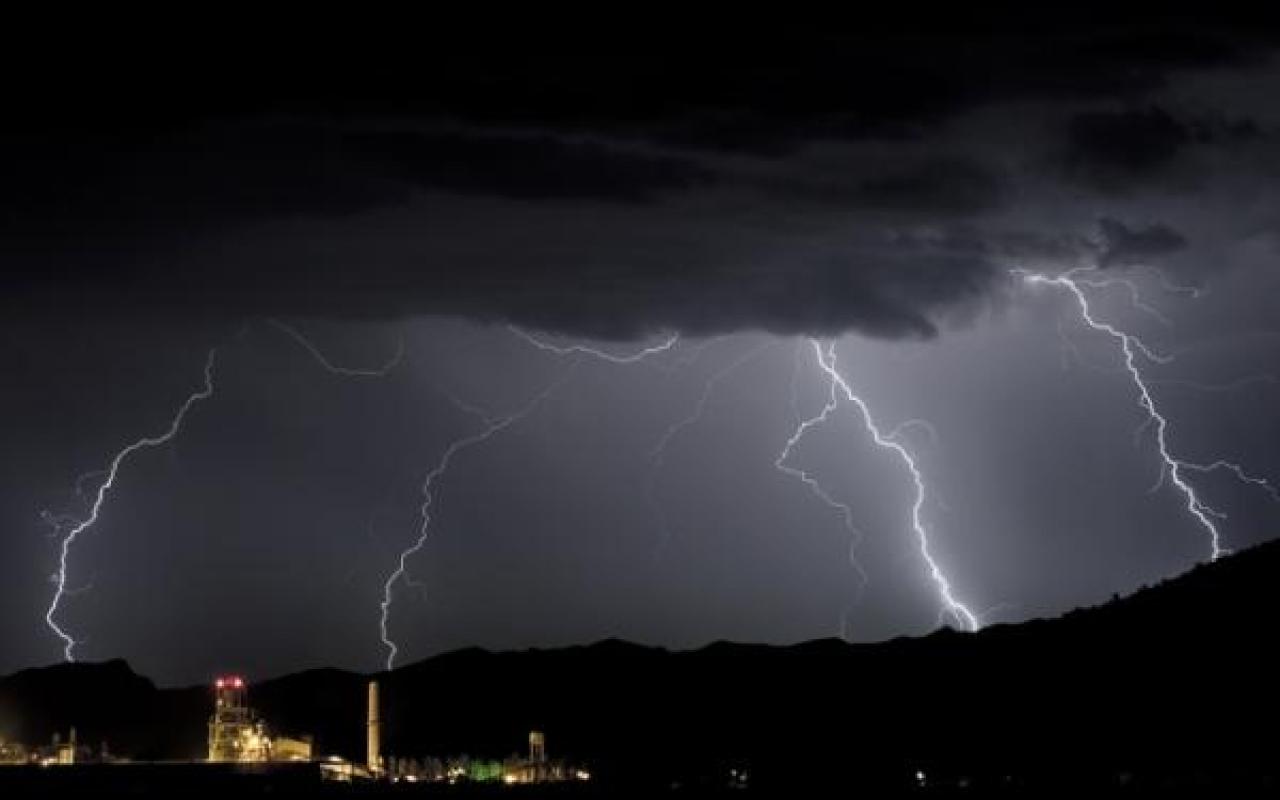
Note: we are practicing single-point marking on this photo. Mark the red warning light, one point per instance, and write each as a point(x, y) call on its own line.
point(220, 683)
point(237, 682)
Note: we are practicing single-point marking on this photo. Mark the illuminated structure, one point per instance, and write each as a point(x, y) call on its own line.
point(374, 732)
point(13, 753)
point(59, 752)
point(236, 735)
point(514, 770)
point(65, 753)
point(537, 768)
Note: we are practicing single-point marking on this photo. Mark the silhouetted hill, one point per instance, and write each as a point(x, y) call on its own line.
point(1181, 676)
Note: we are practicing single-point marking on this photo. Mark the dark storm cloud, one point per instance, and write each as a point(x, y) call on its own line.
point(607, 185)
point(937, 186)
point(1124, 245)
point(534, 167)
point(1118, 151)
point(270, 169)
point(1113, 150)
point(284, 217)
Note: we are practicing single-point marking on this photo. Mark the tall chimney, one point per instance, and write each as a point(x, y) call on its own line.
point(375, 731)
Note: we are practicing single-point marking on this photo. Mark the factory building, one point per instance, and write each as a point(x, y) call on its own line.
point(237, 735)
point(13, 753)
point(535, 767)
point(59, 752)
point(62, 752)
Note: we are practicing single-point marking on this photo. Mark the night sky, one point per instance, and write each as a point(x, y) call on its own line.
point(744, 188)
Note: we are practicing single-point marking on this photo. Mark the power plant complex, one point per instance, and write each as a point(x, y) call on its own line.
point(238, 735)
point(241, 741)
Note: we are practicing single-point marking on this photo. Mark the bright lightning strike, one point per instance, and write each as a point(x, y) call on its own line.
point(1171, 467)
point(400, 574)
point(846, 513)
point(950, 605)
point(74, 530)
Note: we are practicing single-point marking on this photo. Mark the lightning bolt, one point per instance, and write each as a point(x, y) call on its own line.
point(1131, 288)
point(74, 530)
point(841, 390)
point(657, 455)
point(1166, 283)
point(323, 360)
point(492, 427)
point(582, 349)
point(856, 535)
point(1133, 348)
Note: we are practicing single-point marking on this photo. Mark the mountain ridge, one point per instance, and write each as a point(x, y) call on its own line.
point(1176, 671)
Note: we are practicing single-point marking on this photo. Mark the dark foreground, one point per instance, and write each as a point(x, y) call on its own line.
point(196, 780)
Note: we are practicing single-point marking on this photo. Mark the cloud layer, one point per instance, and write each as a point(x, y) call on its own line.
point(801, 180)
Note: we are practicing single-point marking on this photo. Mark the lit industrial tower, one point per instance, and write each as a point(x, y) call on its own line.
point(234, 735)
point(374, 731)
point(537, 747)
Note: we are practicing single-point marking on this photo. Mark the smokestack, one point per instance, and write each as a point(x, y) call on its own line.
point(375, 731)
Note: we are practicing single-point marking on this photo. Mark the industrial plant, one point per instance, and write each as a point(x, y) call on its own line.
point(534, 767)
point(236, 734)
point(58, 751)
point(241, 740)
